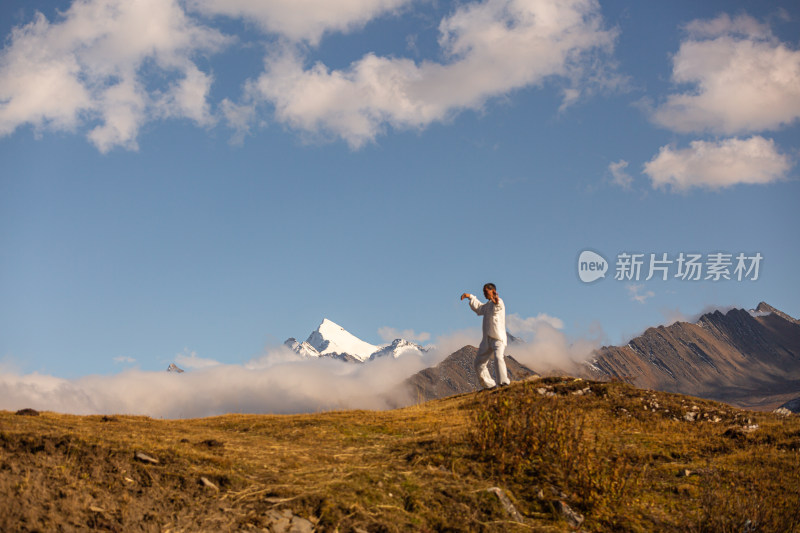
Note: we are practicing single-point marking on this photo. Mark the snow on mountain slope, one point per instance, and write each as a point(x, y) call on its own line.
point(302, 348)
point(332, 340)
point(397, 348)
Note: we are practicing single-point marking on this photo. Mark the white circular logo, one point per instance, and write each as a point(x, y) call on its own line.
point(591, 266)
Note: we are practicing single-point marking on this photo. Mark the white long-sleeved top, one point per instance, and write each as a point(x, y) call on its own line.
point(494, 317)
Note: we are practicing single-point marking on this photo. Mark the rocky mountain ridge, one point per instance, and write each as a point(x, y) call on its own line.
point(456, 375)
point(746, 358)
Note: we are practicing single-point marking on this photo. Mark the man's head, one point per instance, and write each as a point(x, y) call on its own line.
point(490, 291)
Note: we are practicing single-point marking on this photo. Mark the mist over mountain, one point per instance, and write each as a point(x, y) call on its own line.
point(745, 358)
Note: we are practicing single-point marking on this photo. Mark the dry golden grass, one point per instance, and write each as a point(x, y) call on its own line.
point(615, 454)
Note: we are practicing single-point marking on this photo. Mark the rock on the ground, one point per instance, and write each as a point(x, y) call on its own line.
point(143, 457)
point(506, 503)
point(574, 519)
point(285, 521)
point(208, 483)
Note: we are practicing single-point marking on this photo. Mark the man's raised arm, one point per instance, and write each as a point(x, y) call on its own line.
point(474, 303)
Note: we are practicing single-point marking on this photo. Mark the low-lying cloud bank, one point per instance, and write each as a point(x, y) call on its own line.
point(549, 350)
point(279, 381)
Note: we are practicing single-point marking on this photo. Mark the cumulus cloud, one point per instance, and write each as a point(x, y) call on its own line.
point(491, 48)
point(520, 326)
point(547, 349)
point(94, 66)
point(742, 79)
point(718, 164)
point(634, 289)
point(618, 174)
point(240, 118)
point(388, 334)
point(301, 20)
point(113, 66)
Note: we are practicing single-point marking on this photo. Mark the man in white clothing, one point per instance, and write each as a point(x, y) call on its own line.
point(494, 336)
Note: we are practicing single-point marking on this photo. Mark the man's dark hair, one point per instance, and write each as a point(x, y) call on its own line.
point(490, 286)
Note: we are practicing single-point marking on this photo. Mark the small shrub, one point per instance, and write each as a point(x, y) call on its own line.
point(530, 441)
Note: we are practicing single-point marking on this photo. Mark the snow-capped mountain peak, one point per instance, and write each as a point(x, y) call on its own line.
point(332, 340)
point(396, 348)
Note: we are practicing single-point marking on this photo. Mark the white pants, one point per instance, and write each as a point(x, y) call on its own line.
point(488, 347)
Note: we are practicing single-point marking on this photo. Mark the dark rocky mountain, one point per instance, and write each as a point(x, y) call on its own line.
point(750, 359)
point(456, 375)
point(765, 308)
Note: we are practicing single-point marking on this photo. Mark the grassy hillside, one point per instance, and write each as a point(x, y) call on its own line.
point(622, 458)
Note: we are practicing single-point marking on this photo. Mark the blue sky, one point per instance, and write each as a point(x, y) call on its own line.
point(212, 177)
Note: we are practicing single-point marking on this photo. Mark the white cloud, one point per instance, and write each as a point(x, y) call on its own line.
point(188, 97)
point(451, 342)
point(124, 359)
point(190, 360)
point(520, 326)
point(547, 349)
point(742, 79)
point(239, 117)
point(742, 26)
point(618, 174)
point(112, 66)
point(388, 334)
point(718, 164)
point(637, 296)
point(92, 65)
point(492, 48)
point(300, 20)
point(279, 381)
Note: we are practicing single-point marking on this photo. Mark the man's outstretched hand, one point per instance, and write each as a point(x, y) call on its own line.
point(465, 295)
